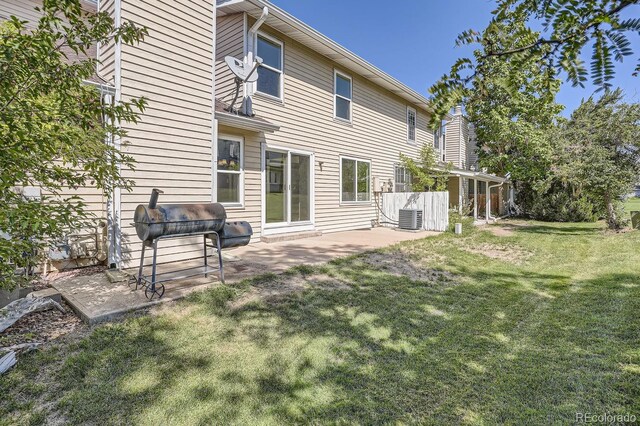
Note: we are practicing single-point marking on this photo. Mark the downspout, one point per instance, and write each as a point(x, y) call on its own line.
point(460, 194)
point(460, 142)
point(114, 200)
point(250, 88)
point(214, 120)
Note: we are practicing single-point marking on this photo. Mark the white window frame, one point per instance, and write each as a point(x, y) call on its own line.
point(443, 147)
point(281, 72)
point(415, 125)
point(285, 227)
point(240, 172)
point(357, 160)
point(395, 177)
point(337, 73)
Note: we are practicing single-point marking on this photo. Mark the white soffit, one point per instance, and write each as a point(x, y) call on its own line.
point(297, 30)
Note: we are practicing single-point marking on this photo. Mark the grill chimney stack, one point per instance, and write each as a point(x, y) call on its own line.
point(153, 201)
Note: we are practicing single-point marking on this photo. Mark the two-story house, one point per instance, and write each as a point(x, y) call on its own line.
point(324, 123)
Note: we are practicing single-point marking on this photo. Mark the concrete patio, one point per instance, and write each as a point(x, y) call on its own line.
point(95, 299)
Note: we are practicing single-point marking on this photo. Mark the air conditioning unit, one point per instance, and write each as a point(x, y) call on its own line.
point(410, 219)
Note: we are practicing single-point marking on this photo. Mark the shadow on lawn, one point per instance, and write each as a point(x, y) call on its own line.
point(587, 229)
point(490, 349)
point(93, 380)
point(420, 352)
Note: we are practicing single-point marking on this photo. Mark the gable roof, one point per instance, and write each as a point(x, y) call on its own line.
point(297, 30)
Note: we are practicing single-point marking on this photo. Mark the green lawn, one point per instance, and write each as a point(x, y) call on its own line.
point(527, 327)
point(632, 204)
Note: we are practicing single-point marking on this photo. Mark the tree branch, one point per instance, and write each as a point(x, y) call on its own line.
point(542, 41)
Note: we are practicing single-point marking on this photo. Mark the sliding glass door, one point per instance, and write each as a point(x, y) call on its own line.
point(287, 188)
point(276, 186)
point(300, 188)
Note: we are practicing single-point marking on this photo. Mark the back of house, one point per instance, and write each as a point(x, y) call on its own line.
point(299, 151)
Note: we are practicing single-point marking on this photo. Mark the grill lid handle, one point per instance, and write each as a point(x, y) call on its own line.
point(153, 201)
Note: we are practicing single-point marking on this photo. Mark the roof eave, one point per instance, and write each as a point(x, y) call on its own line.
point(474, 174)
point(246, 123)
point(373, 73)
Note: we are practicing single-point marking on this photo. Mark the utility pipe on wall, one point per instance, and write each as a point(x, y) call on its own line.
point(252, 39)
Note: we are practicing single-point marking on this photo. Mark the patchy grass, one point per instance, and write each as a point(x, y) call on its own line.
point(424, 332)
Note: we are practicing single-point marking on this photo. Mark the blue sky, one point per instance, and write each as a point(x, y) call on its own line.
point(413, 40)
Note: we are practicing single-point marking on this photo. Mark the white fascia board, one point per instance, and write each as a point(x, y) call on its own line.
point(308, 36)
point(246, 123)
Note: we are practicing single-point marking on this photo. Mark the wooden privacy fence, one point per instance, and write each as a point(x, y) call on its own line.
point(434, 206)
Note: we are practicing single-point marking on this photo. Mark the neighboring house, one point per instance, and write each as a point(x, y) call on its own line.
point(468, 185)
point(326, 124)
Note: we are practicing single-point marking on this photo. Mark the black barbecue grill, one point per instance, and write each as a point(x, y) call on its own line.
point(155, 222)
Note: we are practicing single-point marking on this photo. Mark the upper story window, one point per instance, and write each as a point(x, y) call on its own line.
point(411, 124)
point(342, 89)
point(270, 72)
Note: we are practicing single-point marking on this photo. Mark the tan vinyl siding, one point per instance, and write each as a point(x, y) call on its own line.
point(229, 42)
point(453, 186)
point(472, 149)
point(23, 9)
point(460, 143)
point(378, 133)
point(171, 144)
point(464, 142)
point(452, 142)
point(106, 52)
point(251, 209)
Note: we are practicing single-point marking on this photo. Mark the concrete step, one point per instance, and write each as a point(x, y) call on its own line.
point(116, 276)
point(289, 236)
point(47, 293)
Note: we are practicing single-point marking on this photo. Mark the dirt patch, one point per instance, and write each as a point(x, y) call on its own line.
point(499, 231)
point(273, 289)
point(42, 327)
point(399, 264)
point(506, 253)
point(427, 257)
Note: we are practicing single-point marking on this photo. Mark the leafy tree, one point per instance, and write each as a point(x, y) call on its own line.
point(426, 175)
point(601, 152)
point(54, 128)
point(513, 112)
point(568, 27)
point(512, 108)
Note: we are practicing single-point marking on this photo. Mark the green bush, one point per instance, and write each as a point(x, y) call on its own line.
point(560, 205)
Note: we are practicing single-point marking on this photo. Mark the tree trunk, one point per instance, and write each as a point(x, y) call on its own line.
point(612, 218)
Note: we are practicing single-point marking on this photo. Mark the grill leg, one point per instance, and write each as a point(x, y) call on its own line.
point(205, 256)
point(140, 269)
point(153, 266)
point(220, 258)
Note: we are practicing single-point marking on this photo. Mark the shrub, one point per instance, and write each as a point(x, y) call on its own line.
point(561, 205)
